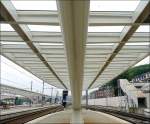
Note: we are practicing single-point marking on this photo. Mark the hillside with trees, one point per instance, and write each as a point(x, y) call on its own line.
point(129, 74)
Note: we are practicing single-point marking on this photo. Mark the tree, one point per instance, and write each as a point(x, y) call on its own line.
point(129, 75)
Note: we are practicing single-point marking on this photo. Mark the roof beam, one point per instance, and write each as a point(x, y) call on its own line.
point(74, 18)
point(8, 12)
point(51, 18)
point(92, 38)
point(147, 20)
point(90, 34)
point(110, 18)
point(140, 14)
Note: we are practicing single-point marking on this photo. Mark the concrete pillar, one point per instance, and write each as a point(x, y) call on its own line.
point(86, 99)
point(77, 117)
point(43, 94)
point(51, 95)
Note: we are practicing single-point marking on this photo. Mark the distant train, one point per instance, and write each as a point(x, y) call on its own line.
point(7, 102)
point(6, 105)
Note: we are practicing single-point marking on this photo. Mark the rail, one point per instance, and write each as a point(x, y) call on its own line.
point(130, 117)
point(26, 116)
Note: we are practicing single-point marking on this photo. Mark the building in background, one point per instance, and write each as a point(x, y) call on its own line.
point(103, 92)
point(145, 77)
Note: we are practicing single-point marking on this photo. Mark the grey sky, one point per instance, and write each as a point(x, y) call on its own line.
point(13, 75)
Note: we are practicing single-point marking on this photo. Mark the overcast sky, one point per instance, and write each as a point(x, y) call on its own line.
point(14, 75)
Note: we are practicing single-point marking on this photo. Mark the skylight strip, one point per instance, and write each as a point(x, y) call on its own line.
point(16, 43)
point(6, 27)
point(51, 44)
point(105, 28)
point(137, 44)
point(100, 44)
point(115, 5)
point(143, 28)
point(35, 5)
point(45, 28)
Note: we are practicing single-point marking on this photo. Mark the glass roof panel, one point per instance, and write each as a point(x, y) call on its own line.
point(100, 44)
point(105, 28)
point(113, 5)
point(16, 43)
point(138, 44)
point(35, 5)
point(6, 27)
point(51, 44)
point(143, 28)
point(44, 28)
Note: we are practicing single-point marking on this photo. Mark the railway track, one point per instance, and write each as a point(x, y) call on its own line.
point(130, 117)
point(27, 116)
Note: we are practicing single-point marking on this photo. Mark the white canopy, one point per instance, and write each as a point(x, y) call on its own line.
point(71, 44)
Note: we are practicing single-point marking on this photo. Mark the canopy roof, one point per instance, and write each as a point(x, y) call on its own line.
point(75, 44)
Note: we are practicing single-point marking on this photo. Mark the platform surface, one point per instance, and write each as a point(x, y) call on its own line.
point(17, 109)
point(89, 117)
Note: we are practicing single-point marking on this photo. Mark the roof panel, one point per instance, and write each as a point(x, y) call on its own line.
point(44, 28)
point(143, 28)
point(105, 28)
point(113, 5)
point(5, 27)
point(34, 5)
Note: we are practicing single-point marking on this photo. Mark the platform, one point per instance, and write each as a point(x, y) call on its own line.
point(89, 117)
point(18, 109)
